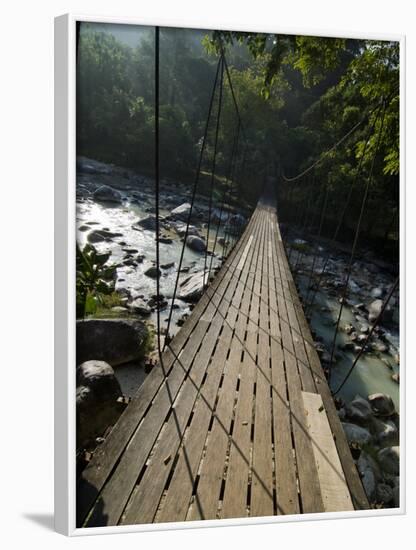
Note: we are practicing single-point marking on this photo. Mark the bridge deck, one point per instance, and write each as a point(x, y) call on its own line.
point(239, 421)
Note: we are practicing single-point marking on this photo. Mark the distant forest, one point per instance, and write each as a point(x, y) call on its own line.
point(297, 96)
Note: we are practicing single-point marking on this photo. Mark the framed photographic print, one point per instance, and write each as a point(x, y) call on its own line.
point(228, 275)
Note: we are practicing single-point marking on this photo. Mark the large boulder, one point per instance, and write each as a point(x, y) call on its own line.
point(359, 410)
point(389, 460)
point(386, 432)
point(181, 212)
point(115, 341)
point(153, 272)
point(374, 310)
point(381, 404)
point(96, 400)
point(356, 435)
point(105, 193)
point(192, 288)
point(148, 223)
point(196, 243)
point(180, 229)
point(369, 473)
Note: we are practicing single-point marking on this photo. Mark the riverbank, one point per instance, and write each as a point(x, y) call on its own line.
point(369, 402)
point(115, 213)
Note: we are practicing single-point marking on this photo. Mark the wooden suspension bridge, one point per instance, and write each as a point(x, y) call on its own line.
point(238, 420)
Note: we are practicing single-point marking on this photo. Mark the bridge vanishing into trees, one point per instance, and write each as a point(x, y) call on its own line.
point(237, 419)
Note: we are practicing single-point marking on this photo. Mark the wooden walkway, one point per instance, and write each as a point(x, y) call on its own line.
point(239, 421)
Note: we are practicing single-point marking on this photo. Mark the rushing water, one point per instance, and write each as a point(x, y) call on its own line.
point(118, 219)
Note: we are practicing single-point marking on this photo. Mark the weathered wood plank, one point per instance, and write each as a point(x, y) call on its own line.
point(334, 489)
point(207, 495)
point(119, 487)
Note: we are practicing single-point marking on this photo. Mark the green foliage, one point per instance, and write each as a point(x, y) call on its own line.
point(297, 96)
point(94, 279)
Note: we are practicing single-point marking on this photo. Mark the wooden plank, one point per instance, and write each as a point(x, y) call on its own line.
point(244, 254)
point(176, 502)
point(306, 468)
point(334, 489)
point(262, 471)
point(208, 491)
point(286, 480)
point(287, 501)
point(236, 486)
point(142, 506)
point(111, 501)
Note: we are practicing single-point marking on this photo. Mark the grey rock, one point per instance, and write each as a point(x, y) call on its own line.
point(389, 459)
point(348, 328)
point(379, 346)
point(386, 432)
point(374, 310)
point(96, 400)
point(353, 286)
point(115, 341)
point(369, 473)
point(384, 493)
point(105, 193)
point(99, 235)
point(381, 404)
point(396, 377)
point(181, 212)
point(140, 307)
point(377, 292)
point(152, 272)
point(359, 410)
point(148, 223)
point(119, 309)
point(356, 434)
point(180, 229)
point(196, 243)
point(191, 289)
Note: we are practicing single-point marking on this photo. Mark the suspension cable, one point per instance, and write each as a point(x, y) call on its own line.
point(222, 207)
point(345, 208)
point(196, 180)
point(357, 232)
point(312, 216)
point(204, 280)
point(157, 186)
point(321, 222)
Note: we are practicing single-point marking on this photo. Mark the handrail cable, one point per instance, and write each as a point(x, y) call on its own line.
point(354, 245)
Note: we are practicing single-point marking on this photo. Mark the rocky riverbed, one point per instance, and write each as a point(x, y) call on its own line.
point(115, 213)
point(369, 402)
